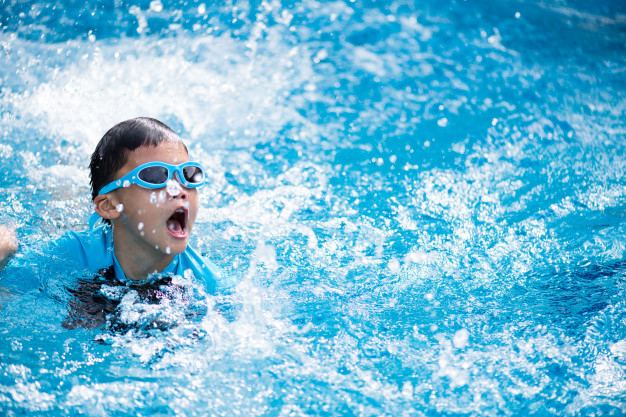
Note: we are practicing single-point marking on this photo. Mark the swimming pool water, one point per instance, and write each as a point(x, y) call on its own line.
point(418, 207)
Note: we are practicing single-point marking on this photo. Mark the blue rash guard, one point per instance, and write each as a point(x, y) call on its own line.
point(93, 250)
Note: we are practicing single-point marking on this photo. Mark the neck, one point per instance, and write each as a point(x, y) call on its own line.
point(137, 259)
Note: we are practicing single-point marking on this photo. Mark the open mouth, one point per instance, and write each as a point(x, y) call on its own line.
point(177, 223)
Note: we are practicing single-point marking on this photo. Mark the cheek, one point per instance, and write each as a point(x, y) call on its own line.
point(193, 207)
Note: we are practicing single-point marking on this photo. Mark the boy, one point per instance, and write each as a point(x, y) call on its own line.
point(145, 189)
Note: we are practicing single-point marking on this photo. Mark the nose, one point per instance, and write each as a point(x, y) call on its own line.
point(184, 192)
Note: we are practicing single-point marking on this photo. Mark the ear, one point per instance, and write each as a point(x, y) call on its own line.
point(106, 206)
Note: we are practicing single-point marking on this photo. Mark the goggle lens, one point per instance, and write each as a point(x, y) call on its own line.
point(154, 175)
point(159, 175)
point(193, 175)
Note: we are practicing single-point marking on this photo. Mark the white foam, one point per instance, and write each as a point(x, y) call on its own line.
point(213, 87)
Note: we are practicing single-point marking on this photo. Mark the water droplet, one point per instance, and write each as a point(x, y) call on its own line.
point(461, 337)
point(173, 188)
point(162, 196)
point(140, 226)
point(407, 389)
point(321, 55)
point(156, 6)
point(168, 250)
point(443, 122)
point(394, 266)
point(119, 208)
point(126, 184)
point(153, 198)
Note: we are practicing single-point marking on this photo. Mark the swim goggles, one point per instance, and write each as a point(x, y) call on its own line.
point(157, 174)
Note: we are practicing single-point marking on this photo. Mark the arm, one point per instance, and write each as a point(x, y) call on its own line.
point(8, 245)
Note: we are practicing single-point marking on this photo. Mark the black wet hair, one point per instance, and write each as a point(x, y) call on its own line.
point(111, 153)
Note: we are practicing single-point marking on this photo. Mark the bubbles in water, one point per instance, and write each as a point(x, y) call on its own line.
point(173, 188)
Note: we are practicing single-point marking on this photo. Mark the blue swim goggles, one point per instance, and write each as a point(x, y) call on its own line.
point(157, 174)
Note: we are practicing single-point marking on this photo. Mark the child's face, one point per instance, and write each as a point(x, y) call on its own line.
point(157, 221)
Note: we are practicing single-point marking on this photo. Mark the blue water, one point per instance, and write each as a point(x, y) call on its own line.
point(419, 207)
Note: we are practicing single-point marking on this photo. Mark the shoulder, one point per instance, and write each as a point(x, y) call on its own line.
point(92, 248)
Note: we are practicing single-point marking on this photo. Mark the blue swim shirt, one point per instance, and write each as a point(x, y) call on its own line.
point(93, 250)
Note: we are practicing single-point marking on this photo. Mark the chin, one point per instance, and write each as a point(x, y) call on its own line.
point(177, 248)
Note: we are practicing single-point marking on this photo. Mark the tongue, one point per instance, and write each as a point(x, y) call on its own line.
point(174, 225)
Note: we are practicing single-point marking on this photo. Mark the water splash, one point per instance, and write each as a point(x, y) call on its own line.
point(173, 188)
point(419, 212)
